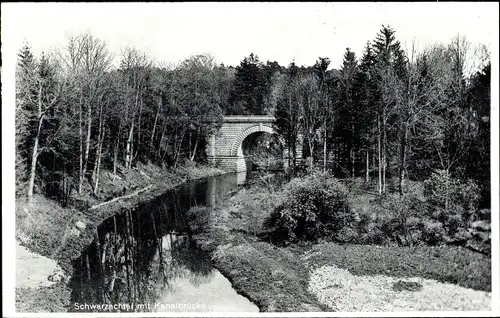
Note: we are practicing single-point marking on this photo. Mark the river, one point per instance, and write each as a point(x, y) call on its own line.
point(145, 261)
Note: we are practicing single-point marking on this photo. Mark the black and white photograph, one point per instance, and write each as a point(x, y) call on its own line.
point(244, 159)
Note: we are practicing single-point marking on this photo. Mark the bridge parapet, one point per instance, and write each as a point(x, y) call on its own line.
point(249, 119)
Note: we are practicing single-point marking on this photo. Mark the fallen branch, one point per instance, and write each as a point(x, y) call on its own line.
point(120, 198)
point(144, 174)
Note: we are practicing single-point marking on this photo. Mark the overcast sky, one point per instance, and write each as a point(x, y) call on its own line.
point(282, 32)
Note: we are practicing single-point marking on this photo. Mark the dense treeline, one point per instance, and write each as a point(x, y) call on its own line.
point(389, 115)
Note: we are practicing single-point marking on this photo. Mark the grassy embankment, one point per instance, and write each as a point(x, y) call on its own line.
point(48, 229)
point(277, 278)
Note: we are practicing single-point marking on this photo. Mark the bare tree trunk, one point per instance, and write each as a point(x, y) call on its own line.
point(87, 263)
point(138, 130)
point(367, 176)
point(87, 141)
point(166, 147)
point(80, 134)
point(351, 155)
point(374, 151)
point(161, 141)
point(128, 149)
point(447, 187)
point(379, 143)
point(154, 124)
point(189, 143)
point(115, 160)
point(311, 148)
point(99, 136)
point(402, 158)
point(98, 163)
point(194, 150)
point(324, 149)
point(34, 156)
point(178, 148)
point(384, 151)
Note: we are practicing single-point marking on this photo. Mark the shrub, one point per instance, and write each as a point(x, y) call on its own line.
point(432, 232)
point(198, 218)
point(348, 234)
point(312, 207)
point(454, 203)
point(397, 219)
point(444, 192)
point(484, 215)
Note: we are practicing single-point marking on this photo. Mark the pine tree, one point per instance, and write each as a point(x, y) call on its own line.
point(25, 96)
point(347, 127)
point(387, 62)
point(366, 99)
point(249, 87)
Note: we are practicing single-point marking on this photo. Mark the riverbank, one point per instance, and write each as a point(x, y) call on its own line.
point(51, 232)
point(273, 278)
point(289, 278)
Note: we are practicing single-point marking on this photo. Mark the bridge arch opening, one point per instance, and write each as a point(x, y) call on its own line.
point(227, 147)
point(259, 146)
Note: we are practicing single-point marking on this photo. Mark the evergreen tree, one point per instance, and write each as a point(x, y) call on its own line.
point(249, 87)
point(25, 107)
point(347, 123)
point(366, 99)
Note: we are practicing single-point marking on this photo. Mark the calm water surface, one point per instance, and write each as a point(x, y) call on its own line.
point(145, 261)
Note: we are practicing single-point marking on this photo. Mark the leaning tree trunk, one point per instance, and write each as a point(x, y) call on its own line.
point(128, 149)
point(98, 160)
point(99, 137)
point(154, 124)
point(195, 146)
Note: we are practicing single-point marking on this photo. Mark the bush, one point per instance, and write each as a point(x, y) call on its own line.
point(432, 232)
point(452, 195)
point(454, 204)
point(199, 218)
point(312, 207)
point(484, 215)
point(396, 219)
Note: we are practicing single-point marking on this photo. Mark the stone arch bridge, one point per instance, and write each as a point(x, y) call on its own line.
point(225, 148)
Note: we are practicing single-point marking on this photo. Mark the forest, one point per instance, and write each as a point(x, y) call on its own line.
point(391, 115)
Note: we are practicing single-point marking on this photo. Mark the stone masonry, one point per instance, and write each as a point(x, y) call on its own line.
point(224, 149)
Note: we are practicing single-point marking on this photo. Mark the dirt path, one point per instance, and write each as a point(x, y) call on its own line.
point(342, 291)
point(33, 270)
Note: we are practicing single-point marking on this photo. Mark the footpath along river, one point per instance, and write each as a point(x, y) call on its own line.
point(145, 261)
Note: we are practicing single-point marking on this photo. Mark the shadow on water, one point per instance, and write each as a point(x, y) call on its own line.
point(143, 258)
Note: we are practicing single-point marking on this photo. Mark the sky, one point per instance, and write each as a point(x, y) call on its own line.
point(282, 32)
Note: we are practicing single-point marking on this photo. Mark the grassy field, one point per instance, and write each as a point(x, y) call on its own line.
point(277, 278)
point(446, 264)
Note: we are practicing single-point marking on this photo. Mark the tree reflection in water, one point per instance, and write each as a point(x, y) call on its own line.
point(136, 255)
